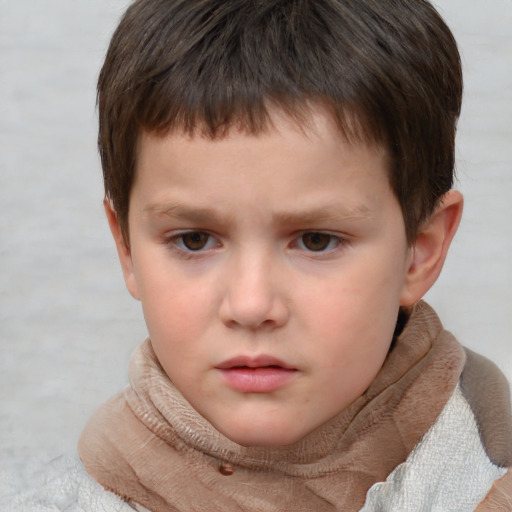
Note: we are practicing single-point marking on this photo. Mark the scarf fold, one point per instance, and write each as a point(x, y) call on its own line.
point(149, 446)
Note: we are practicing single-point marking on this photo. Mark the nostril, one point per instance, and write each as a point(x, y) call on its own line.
point(253, 303)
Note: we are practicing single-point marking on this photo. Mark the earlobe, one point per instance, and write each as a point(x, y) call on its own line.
point(123, 250)
point(431, 247)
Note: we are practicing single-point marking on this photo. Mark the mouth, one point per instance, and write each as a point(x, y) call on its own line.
point(262, 374)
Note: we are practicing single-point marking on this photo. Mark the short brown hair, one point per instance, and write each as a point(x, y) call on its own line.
point(389, 71)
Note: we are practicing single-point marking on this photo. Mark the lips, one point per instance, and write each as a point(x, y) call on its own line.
point(253, 362)
point(262, 374)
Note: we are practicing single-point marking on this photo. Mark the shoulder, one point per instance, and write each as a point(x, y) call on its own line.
point(463, 461)
point(62, 484)
point(488, 394)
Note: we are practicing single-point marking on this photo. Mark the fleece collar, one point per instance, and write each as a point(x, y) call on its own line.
point(149, 446)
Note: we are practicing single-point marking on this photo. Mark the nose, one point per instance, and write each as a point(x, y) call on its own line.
point(254, 297)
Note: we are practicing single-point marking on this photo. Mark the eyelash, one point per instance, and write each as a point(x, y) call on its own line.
point(330, 240)
point(176, 242)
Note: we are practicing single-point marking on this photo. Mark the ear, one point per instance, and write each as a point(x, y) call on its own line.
point(429, 251)
point(123, 250)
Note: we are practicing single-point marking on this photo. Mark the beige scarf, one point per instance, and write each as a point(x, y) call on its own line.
point(149, 446)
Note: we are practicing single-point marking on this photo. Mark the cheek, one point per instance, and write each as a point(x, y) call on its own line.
point(175, 331)
point(351, 346)
point(354, 301)
point(169, 296)
point(174, 319)
point(355, 318)
point(177, 315)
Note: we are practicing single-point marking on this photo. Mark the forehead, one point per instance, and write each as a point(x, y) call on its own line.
point(305, 116)
point(290, 174)
point(313, 125)
point(312, 122)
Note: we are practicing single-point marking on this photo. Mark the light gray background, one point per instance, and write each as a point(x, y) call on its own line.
point(67, 326)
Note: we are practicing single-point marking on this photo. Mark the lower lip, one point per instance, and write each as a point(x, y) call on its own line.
point(257, 380)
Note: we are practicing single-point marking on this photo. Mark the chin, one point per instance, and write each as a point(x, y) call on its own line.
point(262, 437)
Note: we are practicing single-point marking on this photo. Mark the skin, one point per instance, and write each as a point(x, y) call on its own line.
point(289, 244)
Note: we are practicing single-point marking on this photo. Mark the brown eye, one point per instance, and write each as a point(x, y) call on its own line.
point(317, 241)
point(195, 240)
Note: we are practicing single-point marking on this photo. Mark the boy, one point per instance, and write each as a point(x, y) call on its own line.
point(278, 182)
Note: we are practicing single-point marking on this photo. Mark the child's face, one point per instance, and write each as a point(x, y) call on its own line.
point(270, 270)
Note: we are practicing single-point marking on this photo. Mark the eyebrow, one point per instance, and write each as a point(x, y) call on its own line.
point(181, 211)
point(324, 213)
